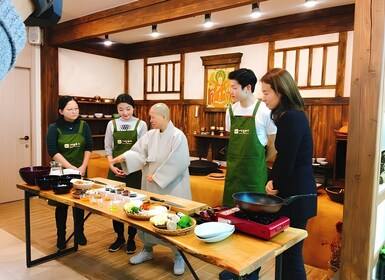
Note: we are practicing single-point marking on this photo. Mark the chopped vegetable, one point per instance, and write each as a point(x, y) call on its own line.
point(185, 221)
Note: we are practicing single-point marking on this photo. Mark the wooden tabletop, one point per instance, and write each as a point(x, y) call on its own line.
point(239, 253)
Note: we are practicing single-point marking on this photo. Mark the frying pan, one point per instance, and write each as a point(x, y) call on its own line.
point(253, 202)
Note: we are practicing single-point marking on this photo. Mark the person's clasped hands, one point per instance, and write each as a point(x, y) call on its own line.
point(270, 188)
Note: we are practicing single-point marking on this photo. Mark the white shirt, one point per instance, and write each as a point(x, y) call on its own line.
point(263, 122)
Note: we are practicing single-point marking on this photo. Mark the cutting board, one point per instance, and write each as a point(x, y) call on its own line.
point(190, 207)
point(108, 182)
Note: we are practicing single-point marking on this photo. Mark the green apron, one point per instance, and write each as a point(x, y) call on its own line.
point(245, 161)
point(71, 147)
point(123, 141)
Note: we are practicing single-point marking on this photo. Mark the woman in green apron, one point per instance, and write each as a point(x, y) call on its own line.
point(69, 142)
point(251, 129)
point(121, 135)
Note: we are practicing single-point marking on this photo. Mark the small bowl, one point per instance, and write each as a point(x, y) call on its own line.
point(83, 116)
point(47, 181)
point(82, 184)
point(30, 173)
point(116, 116)
point(91, 116)
point(336, 194)
point(99, 115)
point(62, 188)
point(108, 116)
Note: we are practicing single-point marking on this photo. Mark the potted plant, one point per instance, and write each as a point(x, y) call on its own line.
point(335, 249)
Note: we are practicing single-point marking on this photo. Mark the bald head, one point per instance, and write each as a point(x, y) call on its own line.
point(159, 116)
point(161, 109)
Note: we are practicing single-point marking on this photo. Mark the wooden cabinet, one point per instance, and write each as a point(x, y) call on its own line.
point(88, 106)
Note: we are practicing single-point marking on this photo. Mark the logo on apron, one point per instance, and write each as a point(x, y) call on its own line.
point(124, 142)
point(241, 131)
point(72, 145)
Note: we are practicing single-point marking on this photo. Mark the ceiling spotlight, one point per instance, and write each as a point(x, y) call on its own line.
point(208, 23)
point(107, 42)
point(310, 3)
point(255, 11)
point(154, 31)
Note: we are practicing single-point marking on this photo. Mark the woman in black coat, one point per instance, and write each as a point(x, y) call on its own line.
point(292, 172)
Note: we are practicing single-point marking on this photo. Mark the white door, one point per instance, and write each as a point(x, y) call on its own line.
point(15, 136)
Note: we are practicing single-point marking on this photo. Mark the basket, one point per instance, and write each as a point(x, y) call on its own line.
point(178, 232)
point(139, 217)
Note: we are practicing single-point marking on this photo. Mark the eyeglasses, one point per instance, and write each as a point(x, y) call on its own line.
point(72, 109)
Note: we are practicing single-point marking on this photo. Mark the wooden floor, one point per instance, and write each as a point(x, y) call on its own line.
point(94, 261)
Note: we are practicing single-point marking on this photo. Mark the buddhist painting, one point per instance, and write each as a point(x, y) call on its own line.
point(218, 88)
point(217, 85)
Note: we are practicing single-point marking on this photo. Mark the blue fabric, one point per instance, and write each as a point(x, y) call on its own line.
point(12, 36)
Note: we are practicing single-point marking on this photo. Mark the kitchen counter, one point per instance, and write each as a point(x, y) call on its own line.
point(321, 228)
point(238, 259)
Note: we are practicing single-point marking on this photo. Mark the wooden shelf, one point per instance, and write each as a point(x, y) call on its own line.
point(211, 136)
point(96, 119)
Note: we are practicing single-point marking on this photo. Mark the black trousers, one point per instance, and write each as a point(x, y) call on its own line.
point(119, 229)
point(61, 212)
point(293, 267)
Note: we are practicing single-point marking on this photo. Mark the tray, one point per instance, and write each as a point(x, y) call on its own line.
point(178, 232)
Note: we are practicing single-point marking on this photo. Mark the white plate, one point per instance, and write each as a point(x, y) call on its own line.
point(212, 229)
point(218, 237)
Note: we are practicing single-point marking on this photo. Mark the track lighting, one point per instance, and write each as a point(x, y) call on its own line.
point(310, 3)
point(107, 42)
point(208, 23)
point(154, 31)
point(255, 10)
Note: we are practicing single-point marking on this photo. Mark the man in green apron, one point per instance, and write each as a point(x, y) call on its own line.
point(251, 128)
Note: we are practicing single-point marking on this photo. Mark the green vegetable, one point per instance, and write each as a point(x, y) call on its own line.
point(135, 209)
point(185, 221)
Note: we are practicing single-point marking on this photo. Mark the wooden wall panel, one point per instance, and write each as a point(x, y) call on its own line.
point(323, 119)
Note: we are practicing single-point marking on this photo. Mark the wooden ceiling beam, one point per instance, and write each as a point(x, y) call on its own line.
point(325, 21)
point(135, 15)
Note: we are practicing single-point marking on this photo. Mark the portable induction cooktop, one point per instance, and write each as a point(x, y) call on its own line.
point(264, 226)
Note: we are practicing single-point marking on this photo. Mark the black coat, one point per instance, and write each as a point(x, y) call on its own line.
point(292, 172)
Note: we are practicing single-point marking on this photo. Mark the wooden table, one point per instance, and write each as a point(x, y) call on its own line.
point(240, 253)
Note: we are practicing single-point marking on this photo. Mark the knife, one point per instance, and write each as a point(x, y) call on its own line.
point(96, 182)
point(167, 202)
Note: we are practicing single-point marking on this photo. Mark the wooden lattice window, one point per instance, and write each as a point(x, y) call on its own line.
point(314, 67)
point(163, 78)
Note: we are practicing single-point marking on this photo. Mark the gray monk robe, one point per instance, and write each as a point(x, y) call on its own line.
point(166, 156)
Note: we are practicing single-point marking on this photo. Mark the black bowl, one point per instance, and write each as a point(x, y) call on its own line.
point(336, 194)
point(69, 177)
point(30, 173)
point(62, 188)
point(47, 181)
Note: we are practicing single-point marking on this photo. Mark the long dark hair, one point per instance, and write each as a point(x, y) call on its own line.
point(282, 83)
point(63, 101)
